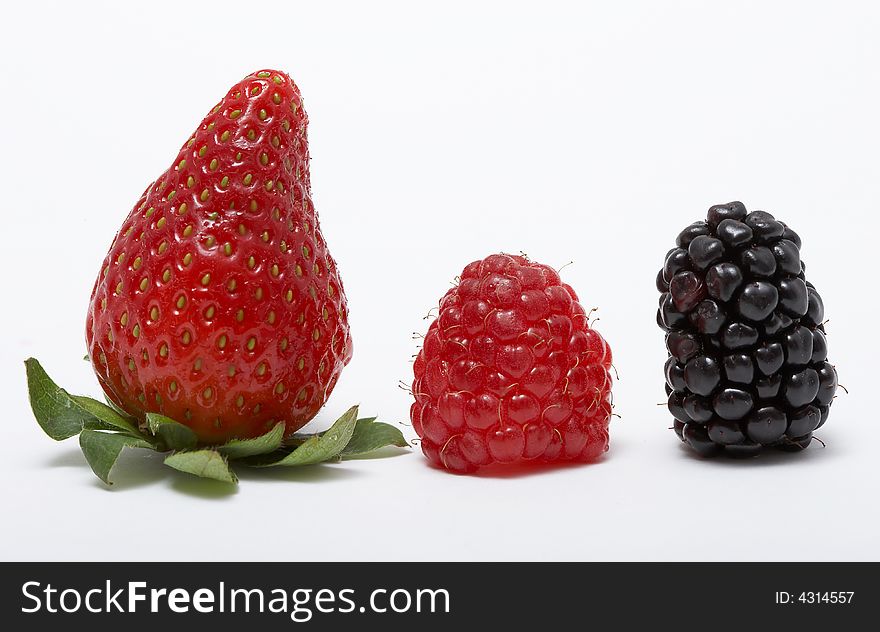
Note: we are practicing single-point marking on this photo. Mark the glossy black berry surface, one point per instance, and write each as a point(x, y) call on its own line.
point(747, 367)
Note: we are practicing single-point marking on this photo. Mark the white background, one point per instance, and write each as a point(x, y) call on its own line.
point(585, 132)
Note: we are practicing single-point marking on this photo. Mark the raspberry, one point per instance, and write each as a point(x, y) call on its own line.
point(747, 366)
point(510, 371)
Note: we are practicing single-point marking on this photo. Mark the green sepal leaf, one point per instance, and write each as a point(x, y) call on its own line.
point(97, 424)
point(321, 447)
point(113, 405)
point(264, 444)
point(102, 449)
point(107, 415)
point(105, 431)
point(207, 463)
point(370, 435)
point(56, 411)
point(174, 435)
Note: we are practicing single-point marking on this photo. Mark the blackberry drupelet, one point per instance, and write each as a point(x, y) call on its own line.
point(747, 365)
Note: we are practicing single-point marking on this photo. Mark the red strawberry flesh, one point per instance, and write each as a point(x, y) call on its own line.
point(219, 304)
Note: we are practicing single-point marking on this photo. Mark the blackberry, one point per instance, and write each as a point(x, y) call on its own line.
point(747, 367)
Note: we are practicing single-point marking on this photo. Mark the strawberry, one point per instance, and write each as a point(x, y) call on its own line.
point(219, 304)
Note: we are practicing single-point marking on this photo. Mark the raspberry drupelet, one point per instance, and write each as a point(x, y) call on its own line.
point(510, 371)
